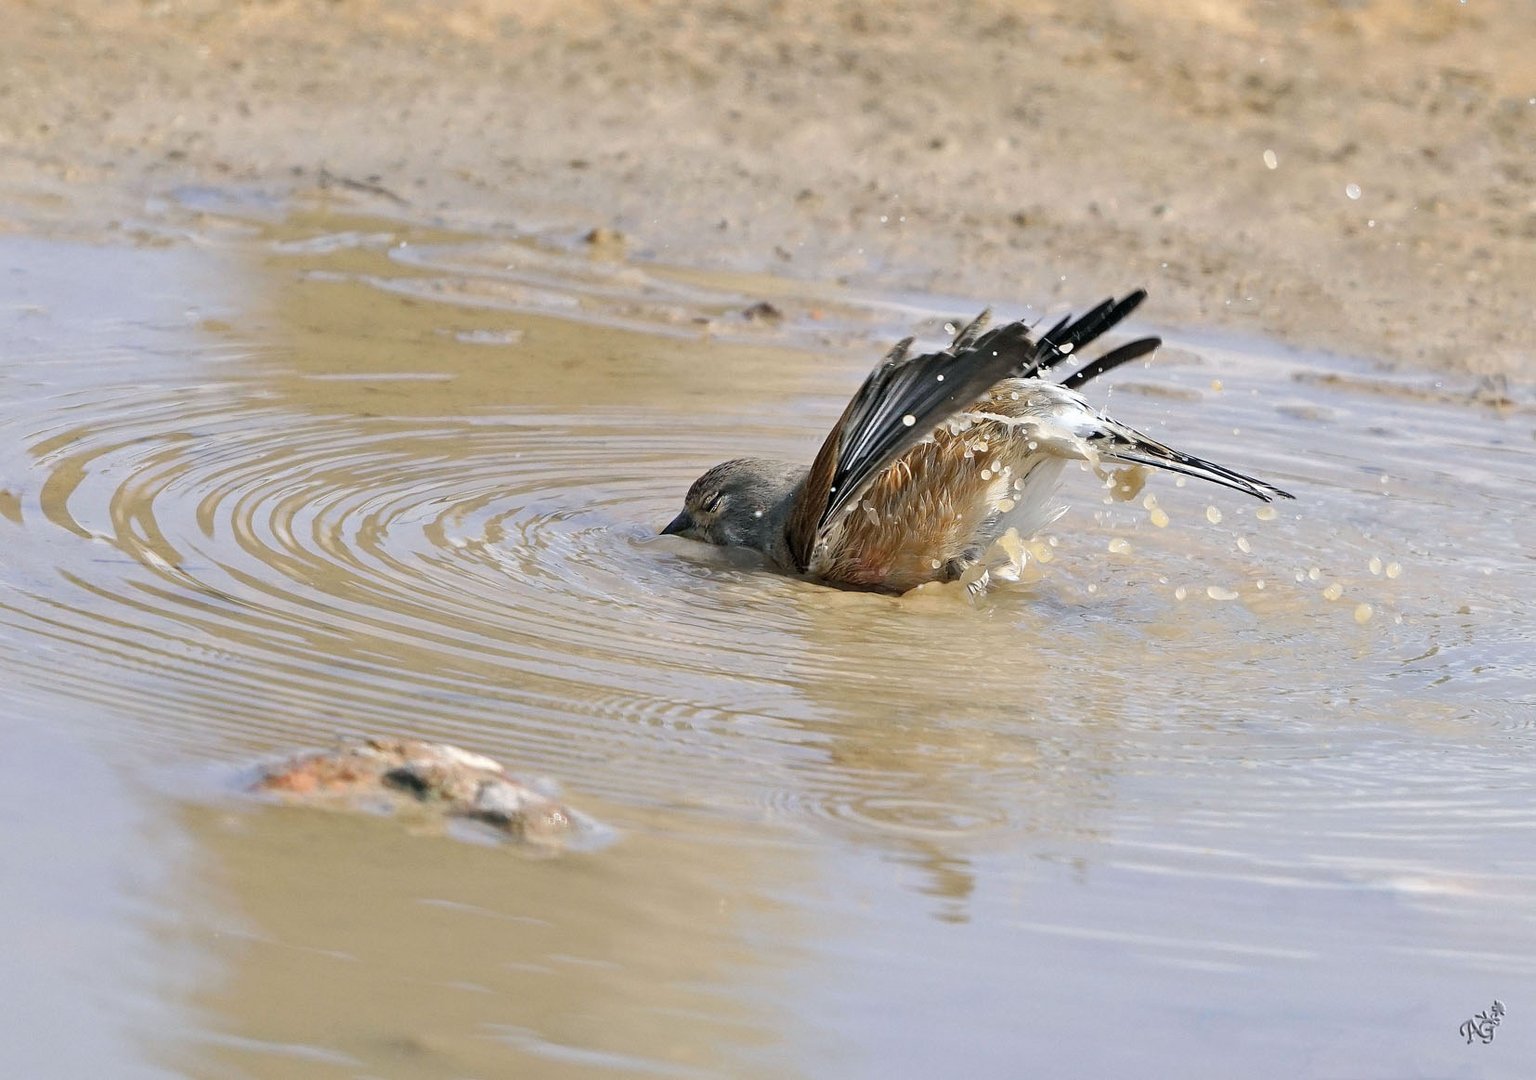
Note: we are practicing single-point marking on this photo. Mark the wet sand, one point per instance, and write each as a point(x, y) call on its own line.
point(1355, 178)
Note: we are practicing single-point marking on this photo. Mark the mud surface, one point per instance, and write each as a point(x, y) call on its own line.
point(1355, 177)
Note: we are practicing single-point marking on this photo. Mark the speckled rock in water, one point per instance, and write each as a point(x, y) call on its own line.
point(387, 775)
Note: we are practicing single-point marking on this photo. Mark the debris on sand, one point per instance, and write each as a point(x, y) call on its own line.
point(606, 242)
point(763, 312)
point(433, 779)
point(370, 186)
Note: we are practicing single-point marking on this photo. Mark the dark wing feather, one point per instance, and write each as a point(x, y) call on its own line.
point(968, 334)
point(1053, 332)
point(1066, 337)
point(874, 431)
point(901, 405)
point(1124, 354)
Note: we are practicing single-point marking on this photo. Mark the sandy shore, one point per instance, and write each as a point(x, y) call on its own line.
point(1360, 177)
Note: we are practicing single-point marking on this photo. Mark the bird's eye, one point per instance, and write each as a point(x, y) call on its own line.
point(710, 503)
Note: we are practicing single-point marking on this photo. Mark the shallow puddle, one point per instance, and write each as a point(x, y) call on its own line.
point(1211, 788)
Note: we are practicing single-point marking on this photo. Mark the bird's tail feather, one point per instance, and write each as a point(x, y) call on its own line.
point(1127, 445)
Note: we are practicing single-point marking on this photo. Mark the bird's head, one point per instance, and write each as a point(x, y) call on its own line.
point(740, 503)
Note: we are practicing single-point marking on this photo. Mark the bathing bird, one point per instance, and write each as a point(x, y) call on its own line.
point(937, 457)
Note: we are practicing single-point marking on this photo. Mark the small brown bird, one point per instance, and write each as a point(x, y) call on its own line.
point(936, 458)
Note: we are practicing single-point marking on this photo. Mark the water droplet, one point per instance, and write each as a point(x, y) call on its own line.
point(1333, 592)
point(1265, 513)
point(1243, 546)
point(1352, 190)
point(1213, 515)
point(1271, 161)
point(1159, 517)
point(1393, 569)
point(1216, 592)
point(909, 420)
point(1363, 613)
point(1180, 593)
point(1374, 566)
point(1120, 546)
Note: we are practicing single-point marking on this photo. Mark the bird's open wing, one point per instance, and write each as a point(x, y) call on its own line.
point(906, 397)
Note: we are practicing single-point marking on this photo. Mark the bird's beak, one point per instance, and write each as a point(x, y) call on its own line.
point(678, 525)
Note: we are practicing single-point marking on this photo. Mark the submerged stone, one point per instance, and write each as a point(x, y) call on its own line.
point(434, 780)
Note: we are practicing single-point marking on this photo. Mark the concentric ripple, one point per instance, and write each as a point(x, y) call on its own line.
point(370, 560)
point(438, 517)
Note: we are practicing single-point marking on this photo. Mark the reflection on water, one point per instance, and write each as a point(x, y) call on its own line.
point(1221, 782)
point(360, 948)
point(95, 968)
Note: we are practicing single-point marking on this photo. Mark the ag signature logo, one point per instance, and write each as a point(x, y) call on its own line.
point(1482, 1025)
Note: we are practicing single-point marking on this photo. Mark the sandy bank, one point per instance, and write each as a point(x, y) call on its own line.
point(1358, 176)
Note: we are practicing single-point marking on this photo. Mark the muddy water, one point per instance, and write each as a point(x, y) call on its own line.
point(1207, 791)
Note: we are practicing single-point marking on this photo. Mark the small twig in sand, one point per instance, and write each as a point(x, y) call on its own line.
point(330, 179)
